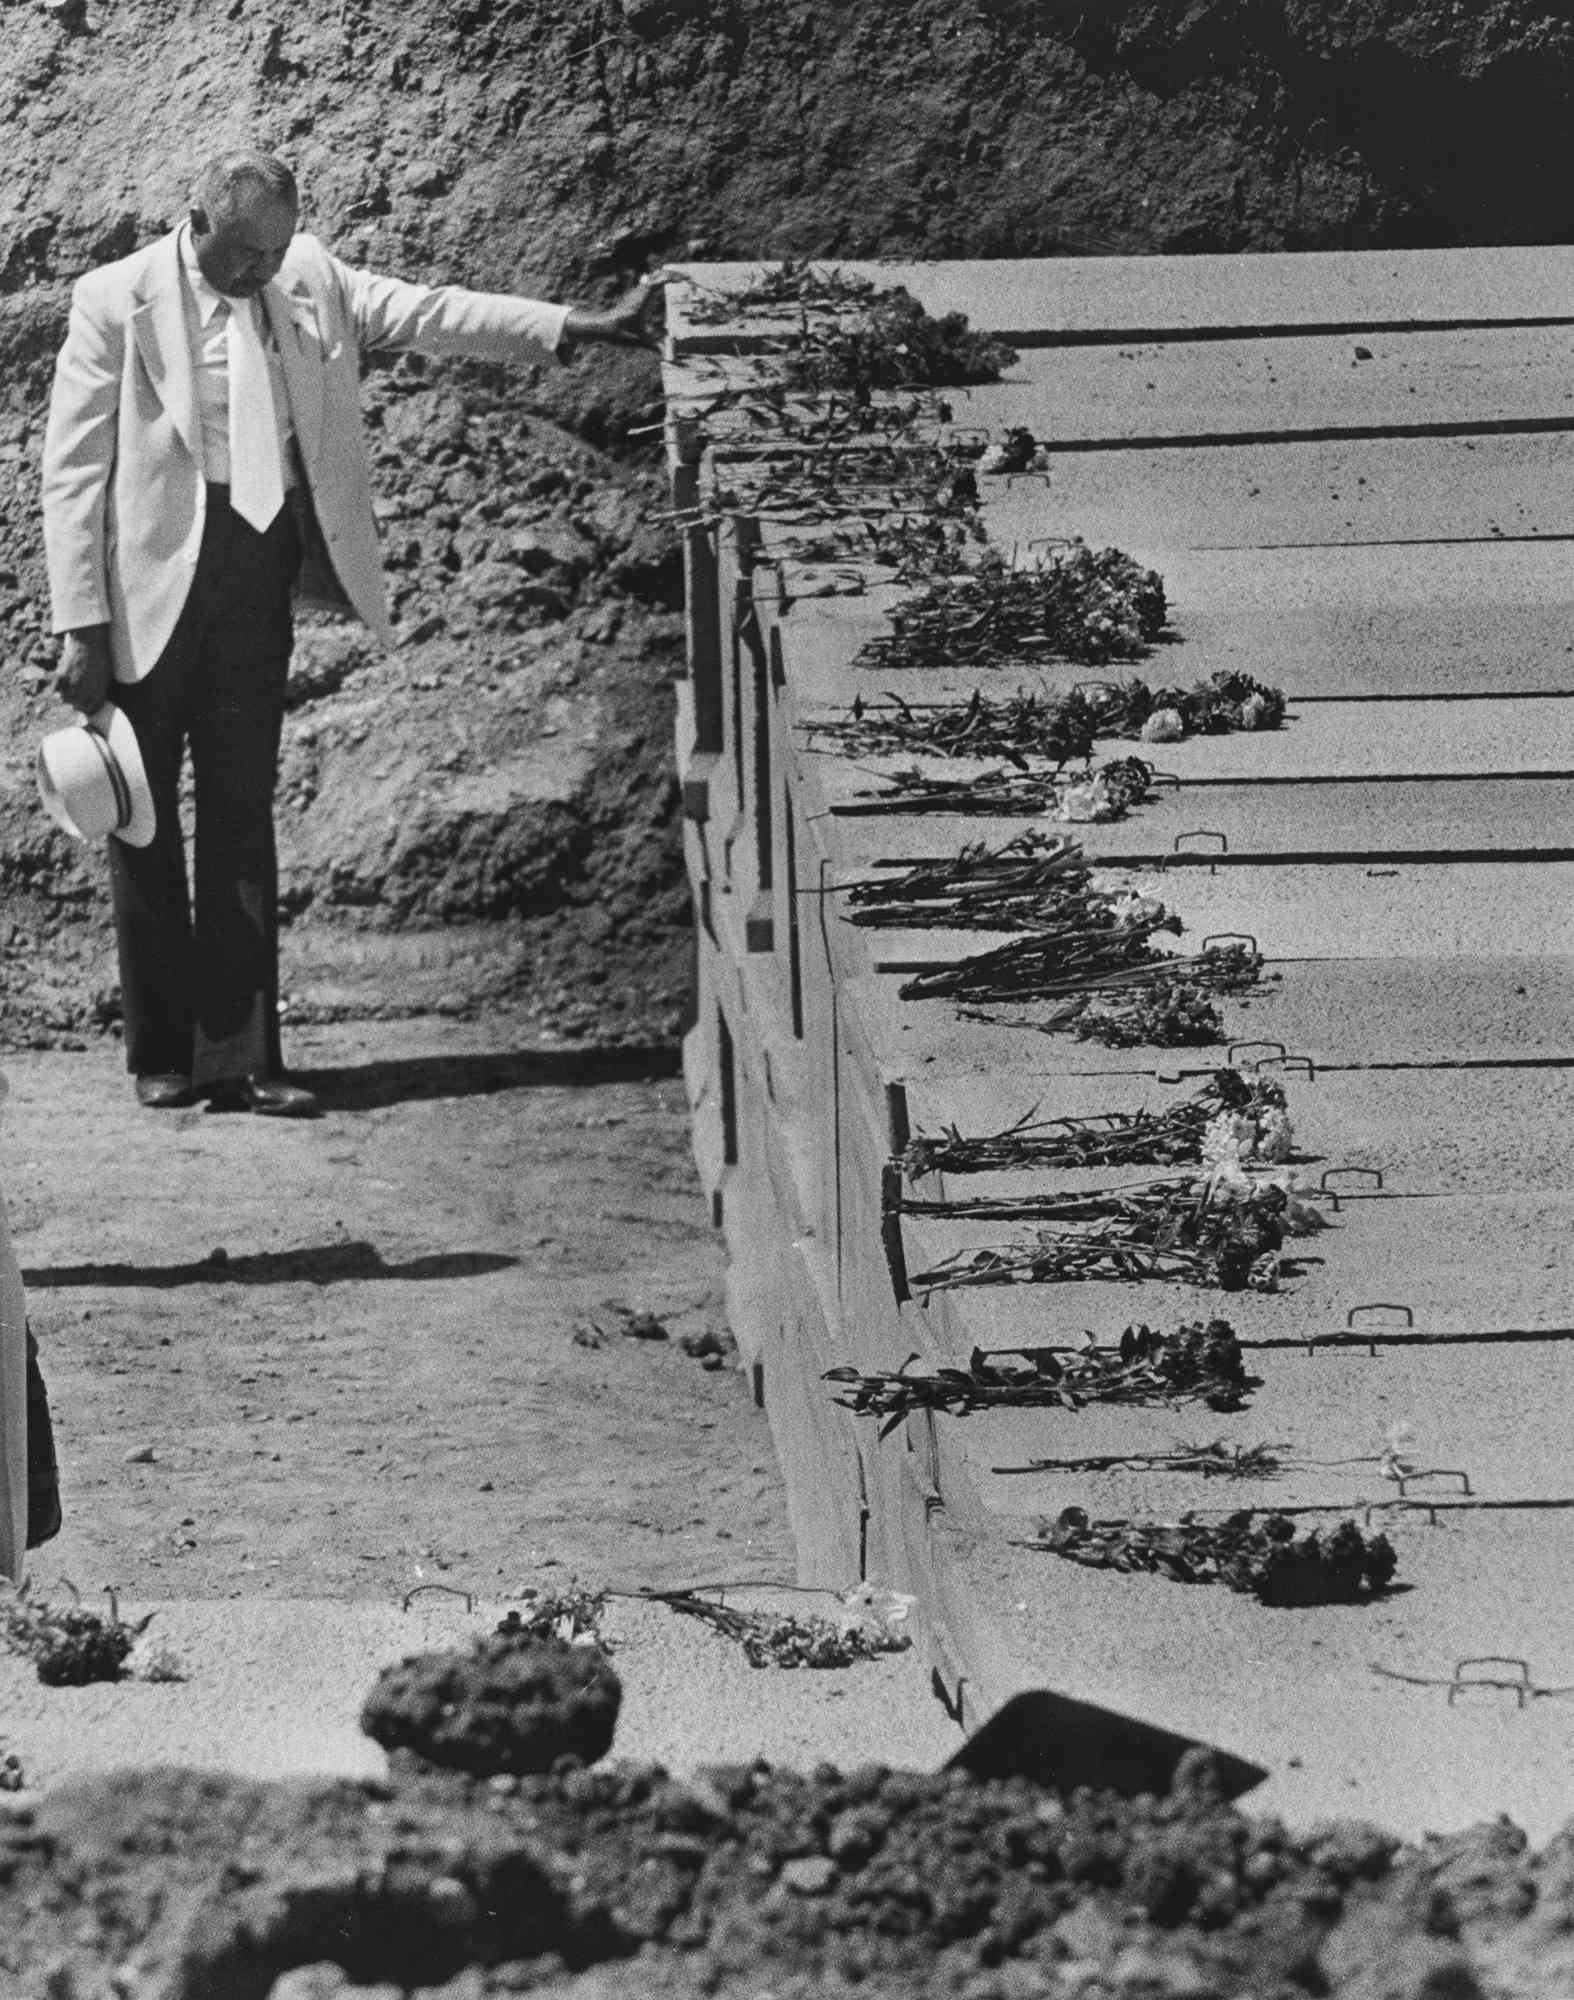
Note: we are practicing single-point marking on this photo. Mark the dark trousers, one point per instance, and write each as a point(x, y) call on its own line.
point(43, 1474)
point(199, 971)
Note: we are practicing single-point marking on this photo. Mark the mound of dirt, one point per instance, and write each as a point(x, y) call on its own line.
point(488, 816)
point(753, 1880)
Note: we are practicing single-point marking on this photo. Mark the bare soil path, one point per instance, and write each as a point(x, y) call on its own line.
point(336, 1359)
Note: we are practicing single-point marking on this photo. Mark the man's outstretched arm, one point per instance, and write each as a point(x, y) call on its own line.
point(389, 313)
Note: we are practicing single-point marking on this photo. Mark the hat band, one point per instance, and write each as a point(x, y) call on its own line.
point(117, 777)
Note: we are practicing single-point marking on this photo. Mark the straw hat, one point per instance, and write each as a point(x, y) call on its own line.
point(91, 779)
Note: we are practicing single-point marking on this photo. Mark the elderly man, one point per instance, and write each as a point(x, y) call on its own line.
point(204, 455)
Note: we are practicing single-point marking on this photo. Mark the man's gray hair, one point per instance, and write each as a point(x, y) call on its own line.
point(224, 183)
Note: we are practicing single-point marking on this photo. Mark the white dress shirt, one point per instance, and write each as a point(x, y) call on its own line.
point(207, 330)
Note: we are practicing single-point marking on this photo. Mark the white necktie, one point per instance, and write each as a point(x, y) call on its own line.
point(256, 477)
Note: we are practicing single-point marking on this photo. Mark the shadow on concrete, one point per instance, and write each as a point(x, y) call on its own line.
point(315, 1264)
point(407, 1079)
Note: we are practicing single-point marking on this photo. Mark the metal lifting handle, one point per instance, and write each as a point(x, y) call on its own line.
point(1408, 1479)
point(1378, 1307)
point(1351, 1316)
point(1237, 1052)
point(1199, 833)
point(1521, 1686)
point(1373, 1175)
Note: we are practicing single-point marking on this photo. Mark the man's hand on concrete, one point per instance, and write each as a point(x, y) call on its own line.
point(631, 321)
point(85, 675)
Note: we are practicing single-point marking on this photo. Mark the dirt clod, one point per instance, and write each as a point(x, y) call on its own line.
point(514, 1703)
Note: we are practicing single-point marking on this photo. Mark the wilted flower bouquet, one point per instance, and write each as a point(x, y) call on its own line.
point(1104, 792)
point(1173, 1010)
point(851, 336)
point(1230, 1116)
point(1199, 1362)
point(1257, 1553)
point(1214, 707)
point(1226, 1230)
point(1090, 949)
point(1081, 604)
point(68, 1645)
point(868, 1622)
point(1038, 882)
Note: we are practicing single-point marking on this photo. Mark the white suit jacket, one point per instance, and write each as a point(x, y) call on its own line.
point(124, 494)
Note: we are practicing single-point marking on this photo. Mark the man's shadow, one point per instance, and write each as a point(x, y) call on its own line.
point(406, 1080)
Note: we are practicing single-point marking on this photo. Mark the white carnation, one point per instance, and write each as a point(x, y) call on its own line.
point(1275, 1134)
point(1164, 725)
point(1227, 1138)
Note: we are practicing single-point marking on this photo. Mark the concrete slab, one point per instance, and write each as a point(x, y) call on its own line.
point(1070, 397)
point(1093, 295)
point(1427, 1131)
point(1355, 818)
point(1415, 739)
point(1430, 910)
point(1313, 911)
point(1297, 1689)
point(1269, 496)
point(1460, 1263)
point(1432, 618)
point(1490, 1413)
point(1179, 388)
point(1414, 736)
point(1482, 619)
point(1341, 1013)
point(1448, 676)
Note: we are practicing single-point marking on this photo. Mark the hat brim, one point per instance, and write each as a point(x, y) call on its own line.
point(114, 725)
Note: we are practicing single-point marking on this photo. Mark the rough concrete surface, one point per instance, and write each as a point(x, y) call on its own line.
point(1363, 817)
point(1345, 492)
point(1319, 910)
point(1343, 740)
point(1339, 1012)
point(1426, 1131)
point(1459, 1262)
point(1412, 295)
point(1224, 388)
point(1300, 1693)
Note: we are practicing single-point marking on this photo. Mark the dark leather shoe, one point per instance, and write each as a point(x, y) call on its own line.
point(165, 1093)
point(274, 1098)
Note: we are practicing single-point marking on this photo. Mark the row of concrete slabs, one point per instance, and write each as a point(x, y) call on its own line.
point(1352, 473)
